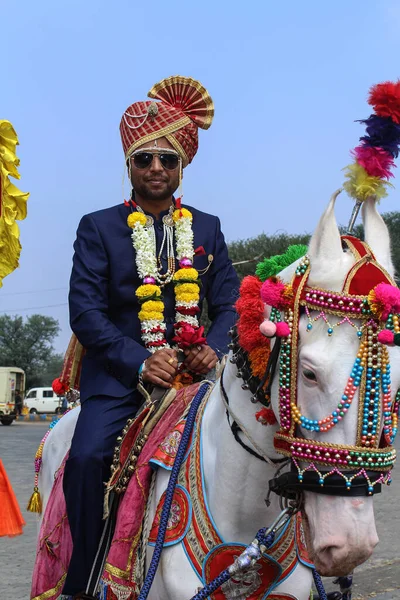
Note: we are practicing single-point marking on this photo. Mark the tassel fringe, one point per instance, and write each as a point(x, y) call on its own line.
point(35, 502)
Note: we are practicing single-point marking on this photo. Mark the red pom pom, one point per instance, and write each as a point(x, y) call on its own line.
point(386, 337)
point(250, 286)
point(250, 308)
point(266, 416)
point(59, 387)
point(250, 336)
point(385, 98)
point(282, 329)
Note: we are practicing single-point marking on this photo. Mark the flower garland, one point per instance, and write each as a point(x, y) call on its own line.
point(186, 281)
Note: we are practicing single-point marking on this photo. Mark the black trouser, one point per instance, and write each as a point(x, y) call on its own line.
point(101, 420)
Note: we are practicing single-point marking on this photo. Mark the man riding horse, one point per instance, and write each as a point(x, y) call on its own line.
point(141, 272)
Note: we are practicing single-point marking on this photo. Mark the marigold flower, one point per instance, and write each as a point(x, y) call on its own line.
point(148, 289)
point(185, 297)
point(136, 217)
point(187, 288)
point(153, 305)
point(150, 315)
point(181, 212)
point(186, 274)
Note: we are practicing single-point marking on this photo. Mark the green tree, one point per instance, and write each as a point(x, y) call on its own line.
point(245, 254)
point(52, 369)
point(28, 344)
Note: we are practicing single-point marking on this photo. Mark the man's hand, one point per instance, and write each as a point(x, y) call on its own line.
point(161, 368)
point(200, 359)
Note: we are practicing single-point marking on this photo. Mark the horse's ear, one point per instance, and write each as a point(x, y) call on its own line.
point(325, 249)
point(377, 235)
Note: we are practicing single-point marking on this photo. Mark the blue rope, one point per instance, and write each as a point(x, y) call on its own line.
point(266, 540)
point(319, 585)
point(214, 585)
point(180, 455)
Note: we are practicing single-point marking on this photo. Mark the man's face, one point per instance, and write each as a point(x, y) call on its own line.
point(154, 182)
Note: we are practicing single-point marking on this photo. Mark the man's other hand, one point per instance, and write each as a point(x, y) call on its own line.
point(161, 368)
point(200, 359)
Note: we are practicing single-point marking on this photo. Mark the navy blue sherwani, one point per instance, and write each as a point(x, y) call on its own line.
point(104, 316)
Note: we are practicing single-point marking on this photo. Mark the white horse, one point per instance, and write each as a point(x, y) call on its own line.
point(341, 530)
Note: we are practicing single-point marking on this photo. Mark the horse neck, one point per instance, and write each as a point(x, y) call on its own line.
point(236, 482)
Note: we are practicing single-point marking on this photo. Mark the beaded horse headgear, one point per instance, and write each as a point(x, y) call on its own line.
point(369, 301)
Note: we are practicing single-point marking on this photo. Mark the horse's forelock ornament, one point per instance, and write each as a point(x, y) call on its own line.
point(369, 174)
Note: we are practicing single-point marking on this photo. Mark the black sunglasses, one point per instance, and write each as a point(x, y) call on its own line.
point(142, 160)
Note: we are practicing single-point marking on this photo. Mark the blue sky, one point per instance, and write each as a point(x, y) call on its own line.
point(288, 80)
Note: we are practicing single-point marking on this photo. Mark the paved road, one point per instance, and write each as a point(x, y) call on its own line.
point(379, 578)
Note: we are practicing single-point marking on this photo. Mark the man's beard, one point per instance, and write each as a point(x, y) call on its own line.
point(145, 191)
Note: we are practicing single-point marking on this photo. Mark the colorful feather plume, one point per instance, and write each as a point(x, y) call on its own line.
point(385, 99)
point(374, 157)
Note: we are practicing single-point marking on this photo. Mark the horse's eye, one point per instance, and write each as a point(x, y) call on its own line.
point(310, 375)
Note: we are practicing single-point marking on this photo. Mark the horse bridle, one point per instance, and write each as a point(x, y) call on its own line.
point(342, 478)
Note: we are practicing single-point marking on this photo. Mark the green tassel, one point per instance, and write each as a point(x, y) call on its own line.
point(35, 502)
point(270, 267)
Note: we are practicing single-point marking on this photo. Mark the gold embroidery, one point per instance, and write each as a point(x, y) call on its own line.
point(179, 148)
point(54, 590)
point(120, 572)
point(158, 134)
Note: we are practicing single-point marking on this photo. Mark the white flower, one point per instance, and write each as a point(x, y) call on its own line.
point(153, 337)
point(145, 247)
point(191, 304)
point(150, 324)
point(184, 238)
point(186, 319)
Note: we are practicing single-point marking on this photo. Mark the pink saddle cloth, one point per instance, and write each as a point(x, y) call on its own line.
point(54, 546)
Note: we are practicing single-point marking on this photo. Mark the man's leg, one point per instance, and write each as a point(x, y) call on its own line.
point(101, 420)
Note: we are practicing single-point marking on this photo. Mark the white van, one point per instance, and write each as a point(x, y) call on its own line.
point(12, 382)
point(42, 400)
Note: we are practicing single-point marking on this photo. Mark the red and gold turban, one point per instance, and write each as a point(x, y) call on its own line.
point(184, 106)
